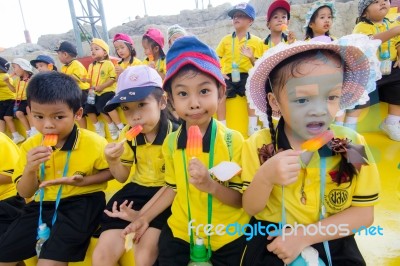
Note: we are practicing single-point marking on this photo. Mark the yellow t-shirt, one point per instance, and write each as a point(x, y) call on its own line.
point(78, 71)
point(147, 162)
point(161, 65)
point(363, 190)
point(20, 89)
point(87, 158)
point(267, 44)
point(175, 179)
point(9, 153)
point(100, 72)
point(372, 29)
point(225, 47)
point(135, 62)
point(5, 92)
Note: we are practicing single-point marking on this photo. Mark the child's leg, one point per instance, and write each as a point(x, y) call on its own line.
point(221, 111)
point(253, 126)
point(109, 248)
point(2, 126)
point(43, 262)
point(24, 121)
point(112, 117)
point(10, 123)
point(172, 251)
point(146, 251)
point(115, 117)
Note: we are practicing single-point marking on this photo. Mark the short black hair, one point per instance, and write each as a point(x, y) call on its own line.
point(54, 87)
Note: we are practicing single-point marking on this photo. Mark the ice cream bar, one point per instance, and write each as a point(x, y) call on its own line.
point(317, 142)
point(50, 140)
point(194, 145)
point(151, 57)
point(129, 241)
point(133, 132)
point(284, 28)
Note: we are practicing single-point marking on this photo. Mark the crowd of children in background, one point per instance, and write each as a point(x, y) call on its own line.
point(166, 93)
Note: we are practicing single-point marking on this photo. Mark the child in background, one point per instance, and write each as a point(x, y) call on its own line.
point(319, 20)
point(125, 49)
point(67, 179)
point(23, 71)
point(7, 98)
point(175, 32)
point(238, 52)
point(153, 44)
point(307, 83)
point(140, 160)
point(196, 86)
point(278, 14)
point(67, 54)
point(372, 22)
point(44, 63)
point(102, 80)
point(11, 204)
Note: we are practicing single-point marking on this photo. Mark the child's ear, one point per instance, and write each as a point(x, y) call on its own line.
point(78, 115)
point(268, 25)
point(221, 92)
point(273, 102)
point(156, 49)
point(163, 101)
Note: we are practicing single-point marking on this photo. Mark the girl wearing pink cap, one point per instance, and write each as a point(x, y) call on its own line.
point(153, 44)
point(125, 49)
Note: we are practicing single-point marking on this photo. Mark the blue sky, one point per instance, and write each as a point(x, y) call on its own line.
point(53, 16)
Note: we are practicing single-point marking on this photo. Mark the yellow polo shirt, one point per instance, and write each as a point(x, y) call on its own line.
point(161, 65)
point(363, 190)
point(87, 158)
point(76, 69)
point(175, 179)
point(5, 92)
point(267, 44)
point(20, 89)
point(100, 72)
point(224, 52)
point(9, 153)
point(135, 62)
point(146, 159)
point(372, 29)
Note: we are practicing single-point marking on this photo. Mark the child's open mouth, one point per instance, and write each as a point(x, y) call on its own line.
point(315, 127)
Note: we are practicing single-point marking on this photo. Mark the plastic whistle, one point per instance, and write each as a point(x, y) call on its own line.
point(318, 141)
point(194, 145)
point(50, 140)
point(132, 133)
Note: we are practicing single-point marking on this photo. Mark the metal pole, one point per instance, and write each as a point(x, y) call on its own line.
point(76, 28)
point(92, 24)
point(145, 9)
point(26, 32)
point(103, 21)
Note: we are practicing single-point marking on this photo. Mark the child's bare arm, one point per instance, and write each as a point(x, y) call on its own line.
point(9, 85)
point(113, 152)
point(281, 169)
point(387, 35)
point(79, 180)
point(106, 84)
point(5, 179)
point(29, 183)
point(351, 218)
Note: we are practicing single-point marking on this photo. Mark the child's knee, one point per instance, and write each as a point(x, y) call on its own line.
point(20, 115)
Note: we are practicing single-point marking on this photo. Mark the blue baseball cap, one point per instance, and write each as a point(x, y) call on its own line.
point(134, 84)
point(189, 50)
point(245, 8)
point(42, 58)
point(67, 47)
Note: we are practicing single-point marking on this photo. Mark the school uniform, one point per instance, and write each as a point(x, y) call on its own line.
point(362, 191)
point(388, 87)
point(99, 73)
point(135, 62)
point(80, 208)
point(161, 65)
point(267, 44)
point(174, 238)
point(7, 97)
point(147, 169)
point(20, 94)
point(228, 51)
point(78, 71)
point(10, 203)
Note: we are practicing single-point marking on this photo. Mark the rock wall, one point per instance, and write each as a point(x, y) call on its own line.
point(210, 25)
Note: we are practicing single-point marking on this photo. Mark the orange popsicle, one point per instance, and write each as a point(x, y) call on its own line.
point(133, 132)
point(284, 28)
point(50, 140)
point(194, 145)
point(318, 141)
point(151, 57)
